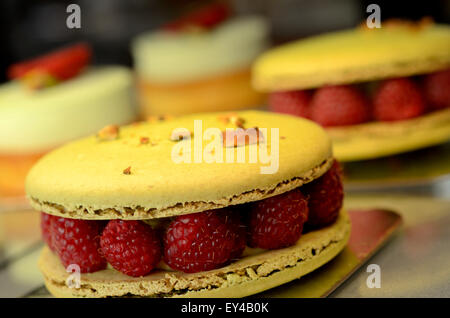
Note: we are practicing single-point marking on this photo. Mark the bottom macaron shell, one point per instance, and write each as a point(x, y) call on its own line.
point(247, 276)
point(380, 139)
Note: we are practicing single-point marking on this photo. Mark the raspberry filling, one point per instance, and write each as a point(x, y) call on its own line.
point(388, 100)
point(199, 241)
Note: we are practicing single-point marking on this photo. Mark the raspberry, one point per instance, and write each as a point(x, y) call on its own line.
point(278, 221)
point(203, 241)
point(241, 239)
point(78, 242)
point(325, 197)
point(398, 99)
point(436, 88)
point(206, 17)
point(291, 102)
point(62, 64)
point(339, 106)
point(131, 247)
point(46, 220)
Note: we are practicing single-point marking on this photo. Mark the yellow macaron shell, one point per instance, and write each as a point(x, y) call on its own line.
point(355, 55)
point(85, 179)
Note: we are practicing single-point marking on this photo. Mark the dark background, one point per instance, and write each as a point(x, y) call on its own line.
point(32, 27)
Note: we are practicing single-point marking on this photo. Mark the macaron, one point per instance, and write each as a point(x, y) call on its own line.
point(378, 92)
point(188, 218)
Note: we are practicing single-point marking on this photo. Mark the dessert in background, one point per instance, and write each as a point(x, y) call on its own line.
point(152, 226)
point(378, 92)
point(200, 63)
point(54, 99)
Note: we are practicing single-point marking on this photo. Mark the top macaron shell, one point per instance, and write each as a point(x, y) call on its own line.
point(86, 179)
point(355, 55)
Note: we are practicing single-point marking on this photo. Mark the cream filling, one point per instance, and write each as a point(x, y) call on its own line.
point(167, 57)
point(37, 121)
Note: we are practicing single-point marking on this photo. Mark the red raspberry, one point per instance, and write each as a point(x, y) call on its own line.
point(398, 99)
point(291, 102)
point(325, 196)
point(437, 89)
point(46, 220)
point(203, 241)
point(131, 247)
point(62, 64)
point(206, 17)
point(278, 221)
point(78, 242)
point(241, 240)
point(339, 106)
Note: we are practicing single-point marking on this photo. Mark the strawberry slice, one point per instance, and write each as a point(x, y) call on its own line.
point(61, 64)
point(206, 17)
